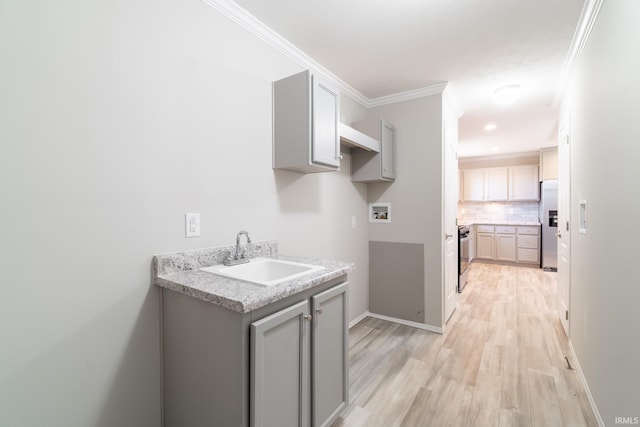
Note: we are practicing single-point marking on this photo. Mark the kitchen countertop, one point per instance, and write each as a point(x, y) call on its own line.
point(180, 272)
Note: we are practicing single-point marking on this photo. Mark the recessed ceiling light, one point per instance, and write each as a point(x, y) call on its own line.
point(490, 126)
point(495, 148)
point(506, 94)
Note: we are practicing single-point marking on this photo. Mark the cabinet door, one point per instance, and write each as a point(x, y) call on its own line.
point(473, 185)
point(326, 111)
point(495, 181)
point(367, 166)
point(280, 368)
point(329, 355)
point(523, 183)
point(506, 247)
point(387, 152)
point(485, 246)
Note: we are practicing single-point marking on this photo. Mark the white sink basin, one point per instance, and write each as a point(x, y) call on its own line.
point(264, 271)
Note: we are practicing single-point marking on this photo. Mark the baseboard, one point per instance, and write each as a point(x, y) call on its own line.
point(416, 325)
point(592, 402)
point(359, 319)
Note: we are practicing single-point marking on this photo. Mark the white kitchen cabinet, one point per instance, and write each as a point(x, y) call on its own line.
point(299, 365)
point(528, 244)
point(367, 166)
point(548, 164)
point(485, 242)
point(306, 135)
point(473, 185)
point(506, 243)
point(523, 183)
point(496, 184)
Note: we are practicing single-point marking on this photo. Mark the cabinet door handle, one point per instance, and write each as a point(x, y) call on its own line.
point(308, 317)
point(319, 310)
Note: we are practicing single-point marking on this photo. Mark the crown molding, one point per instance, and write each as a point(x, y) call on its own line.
point(580, 37)
point(256, 27)
point(433, 89)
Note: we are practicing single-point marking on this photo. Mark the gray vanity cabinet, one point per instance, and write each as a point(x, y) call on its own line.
point(273, 366)
point(368, 166)
point(280, 368)
point(306, 112)
point(299, 374)
point(329, 355)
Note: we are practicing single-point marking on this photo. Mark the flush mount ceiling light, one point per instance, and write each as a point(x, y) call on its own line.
point(506, 94)
point(490, 126)
point(495, 148)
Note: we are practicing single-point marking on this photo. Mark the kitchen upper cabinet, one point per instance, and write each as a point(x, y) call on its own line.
point(523, 183)
point(306, 136)
point(496, 184)
point(473, 185)
point(548, 164)
point(369, 166)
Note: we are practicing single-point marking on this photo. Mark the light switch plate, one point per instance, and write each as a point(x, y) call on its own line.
point(192, 224)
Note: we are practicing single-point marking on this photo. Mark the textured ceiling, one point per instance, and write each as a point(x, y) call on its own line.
point(384, 47)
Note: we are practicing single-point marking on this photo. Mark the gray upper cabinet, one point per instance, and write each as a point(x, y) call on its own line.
point(330, 347)
point(280, 374)
point(375, 167)
point(306, 136)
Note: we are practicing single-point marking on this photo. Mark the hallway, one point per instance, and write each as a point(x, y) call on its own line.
point(501, 362)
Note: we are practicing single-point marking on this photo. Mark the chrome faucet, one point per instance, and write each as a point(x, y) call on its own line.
point(241, 255)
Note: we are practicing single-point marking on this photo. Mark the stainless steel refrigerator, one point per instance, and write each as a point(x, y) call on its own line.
point(548, 216)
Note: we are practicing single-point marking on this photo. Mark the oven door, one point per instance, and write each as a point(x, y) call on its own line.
point(463, 261)
point(464, 254)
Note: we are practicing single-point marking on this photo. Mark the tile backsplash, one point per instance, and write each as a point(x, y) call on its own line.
point(498, 211)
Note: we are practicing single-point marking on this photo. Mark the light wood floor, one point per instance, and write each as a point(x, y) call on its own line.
point(500, 363)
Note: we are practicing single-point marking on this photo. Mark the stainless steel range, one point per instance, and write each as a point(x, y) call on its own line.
point(463, 256)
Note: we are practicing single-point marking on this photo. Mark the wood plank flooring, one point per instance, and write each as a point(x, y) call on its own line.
point(500, 363)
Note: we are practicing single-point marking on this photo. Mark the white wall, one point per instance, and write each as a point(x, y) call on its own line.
point(604, 171)
point(116, 118)
point(416, 195)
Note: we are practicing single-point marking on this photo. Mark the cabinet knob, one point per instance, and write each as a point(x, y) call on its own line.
point(308, 317)
point(559, 235)
point(319, 310)
point(448, 236)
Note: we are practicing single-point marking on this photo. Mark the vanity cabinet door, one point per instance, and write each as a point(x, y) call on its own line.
point(280, 368)
point(329, 359)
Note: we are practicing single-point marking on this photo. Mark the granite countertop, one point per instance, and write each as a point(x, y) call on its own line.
point(181, 273)
point(492, 222)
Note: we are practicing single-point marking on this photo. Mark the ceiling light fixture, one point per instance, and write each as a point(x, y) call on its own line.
point(495, 148)
point(490, 126)
point(506, 94)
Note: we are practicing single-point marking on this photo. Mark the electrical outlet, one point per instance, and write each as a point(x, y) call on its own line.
point(192, 224)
